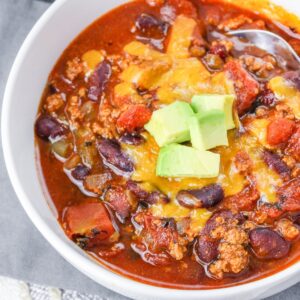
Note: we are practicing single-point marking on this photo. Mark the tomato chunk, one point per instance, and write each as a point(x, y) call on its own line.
point(89, 220)
point(134, 118)
point(246, 87)
point(293, 147)
point(279, 131)
point(289, 195)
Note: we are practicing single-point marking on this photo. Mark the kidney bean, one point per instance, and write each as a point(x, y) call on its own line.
point(150, 25)
point(99, 79)
point(219, 50)
point(206, 250)
point(294, 78)
point(80, 172)
point(142, 195)
point(274, 161)
point(157, 197)
point(111, 151)
point(48, 127)
point(268, 244)
point(223, 216)
point(206, 197)
point(132, 139)
point(266, 97)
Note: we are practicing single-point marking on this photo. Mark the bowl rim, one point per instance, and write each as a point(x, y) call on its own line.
point(108, 278)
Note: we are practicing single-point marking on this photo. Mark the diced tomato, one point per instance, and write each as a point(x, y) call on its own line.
point(246, 87)
point(118, 199)
point(135, 117)
point(244, 200)
point(184, 7)
point(279, 131)
point(90, 220)
point(293, 147)
point(289, 195)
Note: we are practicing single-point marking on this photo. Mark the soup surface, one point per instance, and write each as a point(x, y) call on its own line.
point(226, 214)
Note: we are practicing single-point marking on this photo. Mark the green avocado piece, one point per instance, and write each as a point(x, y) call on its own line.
point(170, 124)
point(206, 102)
point(182, 161)
point(208, 130)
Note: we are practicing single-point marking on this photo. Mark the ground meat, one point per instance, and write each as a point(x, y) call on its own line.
point(73, 111)
point(260, 66)
point(243, 162)
point(234, 23)
point(54, 103)
point(222, 244)
point(287, 229)
point(160, 234)
point(74, 68)
point(232, 259)
point(293, 147)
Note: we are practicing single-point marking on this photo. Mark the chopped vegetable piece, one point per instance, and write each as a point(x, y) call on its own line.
point(171, 124)
point(182, 161)
point(204, 103)
point(208, 130)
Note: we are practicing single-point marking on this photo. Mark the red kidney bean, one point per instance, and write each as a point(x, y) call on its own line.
point(132, 139)
point(111, 151)
point(142, 195)
point(206, 250)
point(294, 78)
point(274, 161)
point(151, 26)
point(225, 215)
point(99, 79)
point(266, 97)
point(219, 50)
point(157, 197)
point(80, 172)
point(206, 197)
point(268, 244)
point(48, 127)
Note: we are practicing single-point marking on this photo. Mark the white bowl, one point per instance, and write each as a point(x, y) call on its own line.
point(43, 46)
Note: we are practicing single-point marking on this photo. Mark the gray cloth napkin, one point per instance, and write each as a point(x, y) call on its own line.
point(24, 253)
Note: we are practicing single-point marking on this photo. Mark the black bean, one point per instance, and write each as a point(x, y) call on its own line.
point(206, 249)
point(132, 139)
point(274, 161)
point(99, 79)
point(111, 151)
point(80, 172)
point(268, 244)
point(47, 126)
point(206, 197)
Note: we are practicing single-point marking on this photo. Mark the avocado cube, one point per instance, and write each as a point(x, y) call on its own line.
point(170, 124)
point(208, 130)
point(182, 161)
point(206, 102)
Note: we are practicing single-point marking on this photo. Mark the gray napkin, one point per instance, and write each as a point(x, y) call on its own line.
point(24, 253)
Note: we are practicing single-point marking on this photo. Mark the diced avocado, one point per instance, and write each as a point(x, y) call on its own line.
point(182, 161)
point(206, 102)
point(171, 123)
point(208, 130)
